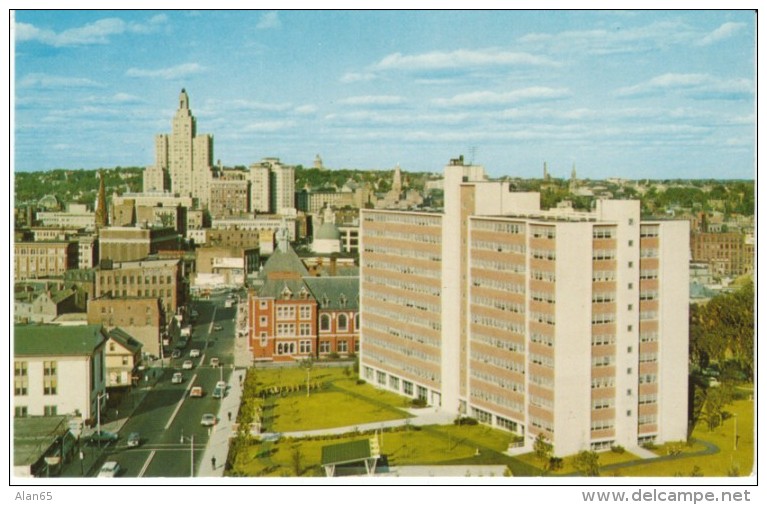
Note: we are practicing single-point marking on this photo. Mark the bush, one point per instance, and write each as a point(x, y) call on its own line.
point(360, 382)
point(555, 463)
point(618, 449)
point(418, 402)
point(465, 421)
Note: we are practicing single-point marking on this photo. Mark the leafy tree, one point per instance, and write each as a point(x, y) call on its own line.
point(543, 449)
point(587, 463)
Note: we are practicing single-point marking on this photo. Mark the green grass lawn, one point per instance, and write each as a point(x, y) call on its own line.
point(335, 400)
point(715, 465)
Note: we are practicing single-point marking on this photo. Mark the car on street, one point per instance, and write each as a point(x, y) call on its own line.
point(220, 390)
point(177, 378)
point(214, 362)
point(194, 353)
point(196, 392)
point(101, 438)
point(176, 353)
point(217, 327)
point(109, 469)
point(188, 365)
point(134, 439)
point(208, 420)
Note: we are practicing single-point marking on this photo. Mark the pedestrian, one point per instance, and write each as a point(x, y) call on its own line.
point(230, 416)
point(213, 462)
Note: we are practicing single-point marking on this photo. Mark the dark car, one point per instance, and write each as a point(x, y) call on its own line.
point(101, 438)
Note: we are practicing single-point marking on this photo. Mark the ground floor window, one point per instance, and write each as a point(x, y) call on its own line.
point(324, 347)
point(342, 346)
point(602, 445)
point(286, 348)
point(368, 373)
point(381, 378)
point(422, 393)
point(394, 382)
point(20, 411)
point(482, 416)
point(407, 388)
point(506, 424)
point(50, 410)
point(305, 346)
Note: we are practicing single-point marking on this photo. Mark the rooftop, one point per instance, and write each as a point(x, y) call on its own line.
point(54, 340)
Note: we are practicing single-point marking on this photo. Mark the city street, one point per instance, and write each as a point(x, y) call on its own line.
point(167, 418)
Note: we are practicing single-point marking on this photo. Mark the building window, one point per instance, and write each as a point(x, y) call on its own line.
point(343, 322)
point(20, 379)
point(407, 388)
point(422, 393)
point(381, 378)
point(305, 346)
point(305, 312)
point(20, 411)
point(50, 410)
point(324, 322)
point(262, 337)
point(394, 382)
point(262, 321)
point(342, 346)
point(304, 329)
point(357, 321)
point(324, 347)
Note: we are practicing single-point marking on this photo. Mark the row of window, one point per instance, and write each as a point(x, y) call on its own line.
point(499, 284)
point(498, 266)
point(603, 297)
point(404, 334)
point(602, 424)
point(402, 350)
point(408, 368)
point(603, 275)
point(499, 227)
point(404, 318)
point(501, 382)
point(427, 238)
point(504, 305)
point(403, 301)
point(416, 219)
point(403, 253)
point(548, 232)
point(602, 232)
point(543, 275)
point(434, 273)
point(502, 400)
point(539, 338)
point(506, 364)
point(542, 424)
point(541, 402)
point(500, 324)
point(544, 254)
point(413, 287)
point(501, 247)
point(130, 279)
point(606, 339)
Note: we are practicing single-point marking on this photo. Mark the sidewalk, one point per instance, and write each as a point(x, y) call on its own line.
point(218, 444)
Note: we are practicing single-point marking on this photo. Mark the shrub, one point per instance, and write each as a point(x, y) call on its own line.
point(618, 449)
point(418, 402)
point(465, 421)
point(360, 382)
point(555, 463)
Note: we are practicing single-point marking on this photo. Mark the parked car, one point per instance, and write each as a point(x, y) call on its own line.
point(214, 362)
point(196, 392)
point(177, 378)
point(109, 469)
point(194, 353)
point(101, 438)
point(188, 365)
point(134, 439)
point(208, 420)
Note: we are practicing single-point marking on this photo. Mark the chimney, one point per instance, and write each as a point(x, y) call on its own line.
point(333, 266)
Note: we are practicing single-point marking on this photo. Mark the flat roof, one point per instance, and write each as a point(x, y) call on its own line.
point(346, 452)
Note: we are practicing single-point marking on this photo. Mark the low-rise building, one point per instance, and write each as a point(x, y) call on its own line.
point(141, 318)
point(161, 279)
point(42, 302)
point(123, 354)
point(58, 370)
point(33, 260)
point(124, 243)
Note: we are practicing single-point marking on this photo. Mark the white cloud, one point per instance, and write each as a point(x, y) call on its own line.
point(305, 109)
point(462, 58)
point(494, 98)
point(357, 77)
point(725, 31)
point(270, 126)
point(55, 81)
point(697, 85)
point(372, 100)
point(169, 73)
point(269, 20)
point(98, 32)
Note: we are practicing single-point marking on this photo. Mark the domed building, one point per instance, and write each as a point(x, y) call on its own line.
point(327, 237)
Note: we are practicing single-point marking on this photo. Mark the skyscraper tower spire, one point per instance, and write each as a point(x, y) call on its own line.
point(101, 203)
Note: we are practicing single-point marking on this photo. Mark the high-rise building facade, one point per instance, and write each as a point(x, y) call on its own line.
point(568, 324)
point(183, 159)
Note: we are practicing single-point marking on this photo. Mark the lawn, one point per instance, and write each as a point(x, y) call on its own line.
point(430, 445)
point(335, 399)
point(728, 461)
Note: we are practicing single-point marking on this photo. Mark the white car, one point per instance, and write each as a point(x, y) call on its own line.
point(178, 378)
point(208, 420)
point(188, 365)
point(194, 353)
point(214, 362)
point(109, 469)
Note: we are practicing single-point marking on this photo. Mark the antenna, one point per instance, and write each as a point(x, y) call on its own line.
point(472, 153)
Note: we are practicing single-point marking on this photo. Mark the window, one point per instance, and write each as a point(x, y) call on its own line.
point(20, 411)
point(262, 321)
point(422, 393)
point(381, 378)
point(342, 346)
point(394, 383)
point(304, 329)
point(305, 312)
point(324, 322)
point(407, 388)
point(343, 322)
point(324, 347)
point(49, 410)
point(357, 321)
point(20, 380)
point(262, 304)
point(305, 346)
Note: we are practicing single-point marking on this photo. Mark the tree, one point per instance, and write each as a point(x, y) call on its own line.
point(297, 460)
point(542, 447)
point(587, 463)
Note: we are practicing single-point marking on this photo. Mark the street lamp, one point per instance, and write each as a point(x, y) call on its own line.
point(191, 452)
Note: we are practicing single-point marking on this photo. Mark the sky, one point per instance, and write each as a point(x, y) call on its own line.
point(631, 94)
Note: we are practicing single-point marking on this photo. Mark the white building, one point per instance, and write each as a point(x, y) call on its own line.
point(572, 325)
point(58, 370)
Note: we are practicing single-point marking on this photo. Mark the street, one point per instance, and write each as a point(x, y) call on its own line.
point(167, 418)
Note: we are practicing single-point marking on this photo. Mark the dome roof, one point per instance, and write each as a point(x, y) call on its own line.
point(327, 231)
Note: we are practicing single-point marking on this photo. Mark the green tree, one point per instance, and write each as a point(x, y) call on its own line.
point(543, 449)
point(587, 463)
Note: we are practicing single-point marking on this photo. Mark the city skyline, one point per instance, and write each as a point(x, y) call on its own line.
point(633, 94)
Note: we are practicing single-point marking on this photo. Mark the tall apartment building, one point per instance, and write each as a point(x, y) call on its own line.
point(569, 324)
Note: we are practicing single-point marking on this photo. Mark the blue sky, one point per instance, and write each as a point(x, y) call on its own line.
point(635, 94)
